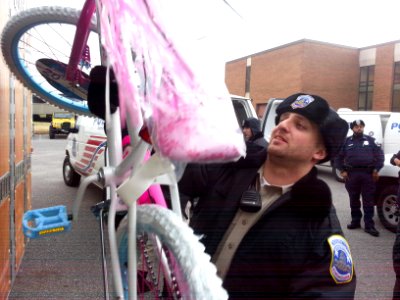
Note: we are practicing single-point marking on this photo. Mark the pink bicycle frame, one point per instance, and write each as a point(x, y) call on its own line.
point(81, 37)
point(154, 193)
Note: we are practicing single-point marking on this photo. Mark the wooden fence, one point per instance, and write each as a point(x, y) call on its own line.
point(15, 166)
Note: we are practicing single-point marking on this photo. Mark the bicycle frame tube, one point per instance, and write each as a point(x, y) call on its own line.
point(80, 39)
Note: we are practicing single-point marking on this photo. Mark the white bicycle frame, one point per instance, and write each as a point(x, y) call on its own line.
point(156, 170)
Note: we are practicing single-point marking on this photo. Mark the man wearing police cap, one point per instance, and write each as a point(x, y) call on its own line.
point(271, 227)
point(359, 162)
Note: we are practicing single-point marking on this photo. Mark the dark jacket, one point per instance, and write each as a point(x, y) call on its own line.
point(286, 253)
point(396, 263)
point(258, 136)
point(259, 140)
point(396, 248)
point(397, 155)
point(360, 152)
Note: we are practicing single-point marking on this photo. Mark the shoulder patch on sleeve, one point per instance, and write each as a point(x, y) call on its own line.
point(341, 268)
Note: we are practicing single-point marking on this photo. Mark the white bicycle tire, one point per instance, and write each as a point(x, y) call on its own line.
point(199, 272)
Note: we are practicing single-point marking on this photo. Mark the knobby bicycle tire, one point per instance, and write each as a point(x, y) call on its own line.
point(193, 274)
point(24, 33)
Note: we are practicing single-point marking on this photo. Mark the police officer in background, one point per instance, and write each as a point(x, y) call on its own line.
point(359, 162)
point(251, 129)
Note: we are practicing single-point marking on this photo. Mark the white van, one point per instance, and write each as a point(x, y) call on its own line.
point(385, 128)
point(375, 121)
point(391, 142)
point(84, 153)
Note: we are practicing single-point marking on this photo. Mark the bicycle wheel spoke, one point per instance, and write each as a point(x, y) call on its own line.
point(47, 33)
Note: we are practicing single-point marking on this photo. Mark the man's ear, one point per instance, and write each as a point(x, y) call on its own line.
point(320, 154)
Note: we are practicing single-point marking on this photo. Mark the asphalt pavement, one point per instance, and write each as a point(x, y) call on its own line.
point(65, 266)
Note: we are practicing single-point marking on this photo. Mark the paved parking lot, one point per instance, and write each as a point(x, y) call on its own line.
point(65, 266)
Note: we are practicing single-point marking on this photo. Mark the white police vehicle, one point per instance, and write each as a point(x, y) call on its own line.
point(84, 153)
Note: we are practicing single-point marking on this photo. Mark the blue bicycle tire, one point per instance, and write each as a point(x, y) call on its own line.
point(195, 271)
point(15, 48)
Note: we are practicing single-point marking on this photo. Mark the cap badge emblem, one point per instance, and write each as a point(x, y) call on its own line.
point(302, 101)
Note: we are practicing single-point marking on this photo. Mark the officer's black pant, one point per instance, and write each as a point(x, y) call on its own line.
point(396, 264)
point(360, 183)
point(398, 195)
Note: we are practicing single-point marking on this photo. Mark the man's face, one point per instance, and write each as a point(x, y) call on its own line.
point(358, 130)
point(296, 138)
point(247, 133)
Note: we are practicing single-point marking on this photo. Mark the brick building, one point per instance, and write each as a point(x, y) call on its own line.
point(358, 78)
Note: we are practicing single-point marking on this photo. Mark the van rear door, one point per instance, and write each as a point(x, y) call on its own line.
point(391, 144)
point(243, 108)
point(268, 120)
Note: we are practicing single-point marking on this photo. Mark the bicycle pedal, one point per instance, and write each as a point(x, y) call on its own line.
point(46, 221)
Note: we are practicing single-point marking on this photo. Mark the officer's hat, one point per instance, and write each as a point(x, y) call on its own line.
point(333, 128)
point(357, 122)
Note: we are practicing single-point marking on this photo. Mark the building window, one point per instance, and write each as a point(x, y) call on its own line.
point(366, 88)
point(248, 74)
point(396, 88)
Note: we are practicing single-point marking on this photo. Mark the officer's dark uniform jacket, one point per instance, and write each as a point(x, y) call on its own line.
point(396, 263)
point(360, 153)
point(397, 155)
point(286, 253)
point(396, 247)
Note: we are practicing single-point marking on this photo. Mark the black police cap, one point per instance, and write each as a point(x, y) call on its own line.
point(315, 108)
point(357, 122)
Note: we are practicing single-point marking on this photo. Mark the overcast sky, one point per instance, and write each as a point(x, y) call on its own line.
point(256, 25)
